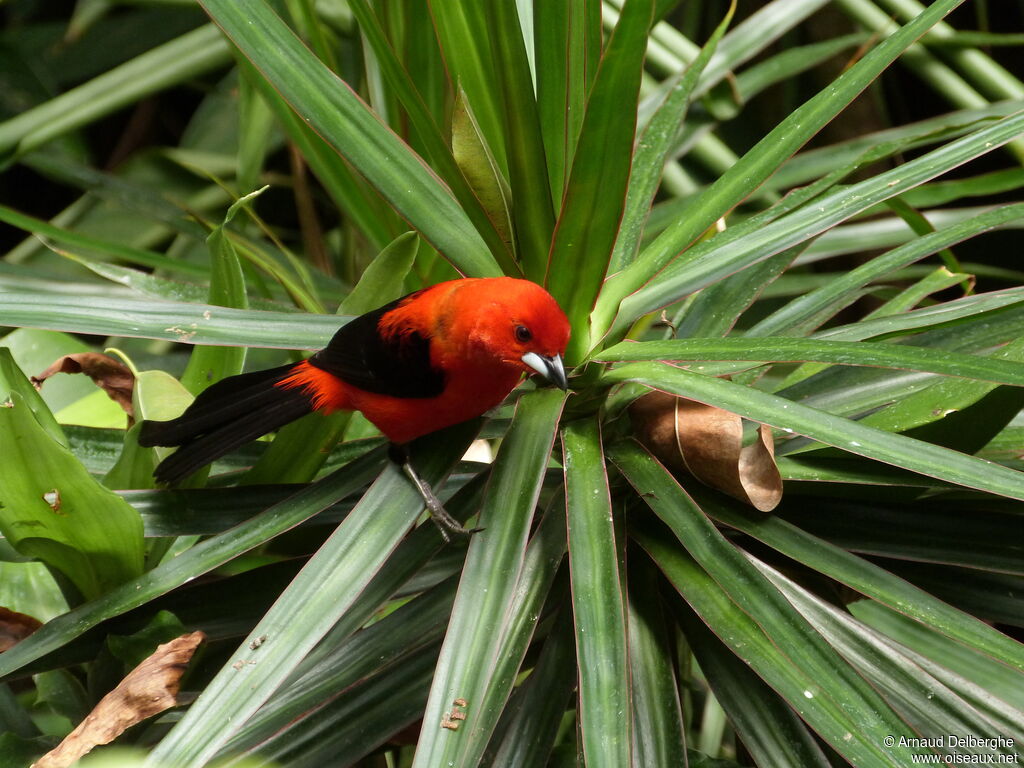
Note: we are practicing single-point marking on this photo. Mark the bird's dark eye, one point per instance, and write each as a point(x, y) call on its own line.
point(523, 334)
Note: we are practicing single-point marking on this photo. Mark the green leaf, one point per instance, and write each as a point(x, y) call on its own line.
point(483, 613)
point(842, 707)
point(596, 192)
point(530, 723)
point(383, 280)
point(329, 584)
point(53, 509)
point(463, 30)
point(177, 61)
point(708, 261)
point(349, 192)
point(760, 162)
point(208, 365)
point(801, 312)
point(654, 148)
point(567, 44)
point(201, 558)
point(901, 356)
point(848, 435)
point(658, 734)
point(477, 201)
point(524, 147)
point(935, 709)
point(334, 111)
point(36, 350)
point(857, 741)
point(172, 321)
point(100, 245)
point(869, 579)
point(771, 731)
point(598, 610)
point(477, 164)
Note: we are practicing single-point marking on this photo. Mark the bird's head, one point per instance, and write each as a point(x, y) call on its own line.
point(517, 323)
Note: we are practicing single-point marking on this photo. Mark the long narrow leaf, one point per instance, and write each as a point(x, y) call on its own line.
point(344, 121)
point(703, 263)
point(601, 633)
point(899, 356)
point(201, 558)
point(325, 588)
point(172, 321)
point(848, 435)
point(758, 164)
point(493, 564)
point(596, 194)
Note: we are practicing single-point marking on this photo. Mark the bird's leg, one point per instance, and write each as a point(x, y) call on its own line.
point(445, 523)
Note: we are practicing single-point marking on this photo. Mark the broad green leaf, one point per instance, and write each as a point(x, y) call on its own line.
point(598, 602)
point(53, 509)
point(29, 588)
point(35, 350)
point(203, 557)
point(334, 111)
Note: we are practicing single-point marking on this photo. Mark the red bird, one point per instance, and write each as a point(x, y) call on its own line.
point(431, 359)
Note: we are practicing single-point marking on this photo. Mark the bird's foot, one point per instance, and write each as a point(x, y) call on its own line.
point(445, 523)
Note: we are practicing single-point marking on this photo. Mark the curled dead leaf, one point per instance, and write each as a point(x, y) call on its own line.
point(112, 376)
point(15, 627)
point(707, 442)
point(148, 689)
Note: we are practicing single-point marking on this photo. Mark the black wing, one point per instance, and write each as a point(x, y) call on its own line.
point(397, 367)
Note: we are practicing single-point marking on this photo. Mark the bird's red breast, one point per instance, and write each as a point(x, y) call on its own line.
point(436, 357)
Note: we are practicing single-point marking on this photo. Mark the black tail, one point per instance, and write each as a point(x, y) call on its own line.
point(227, 415)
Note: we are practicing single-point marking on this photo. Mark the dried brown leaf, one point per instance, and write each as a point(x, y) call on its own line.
point(15, 627)
point(113, 376)
point(148, 689)
point(707, 442)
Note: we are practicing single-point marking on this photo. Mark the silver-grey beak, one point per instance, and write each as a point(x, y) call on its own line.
point(551, 368)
